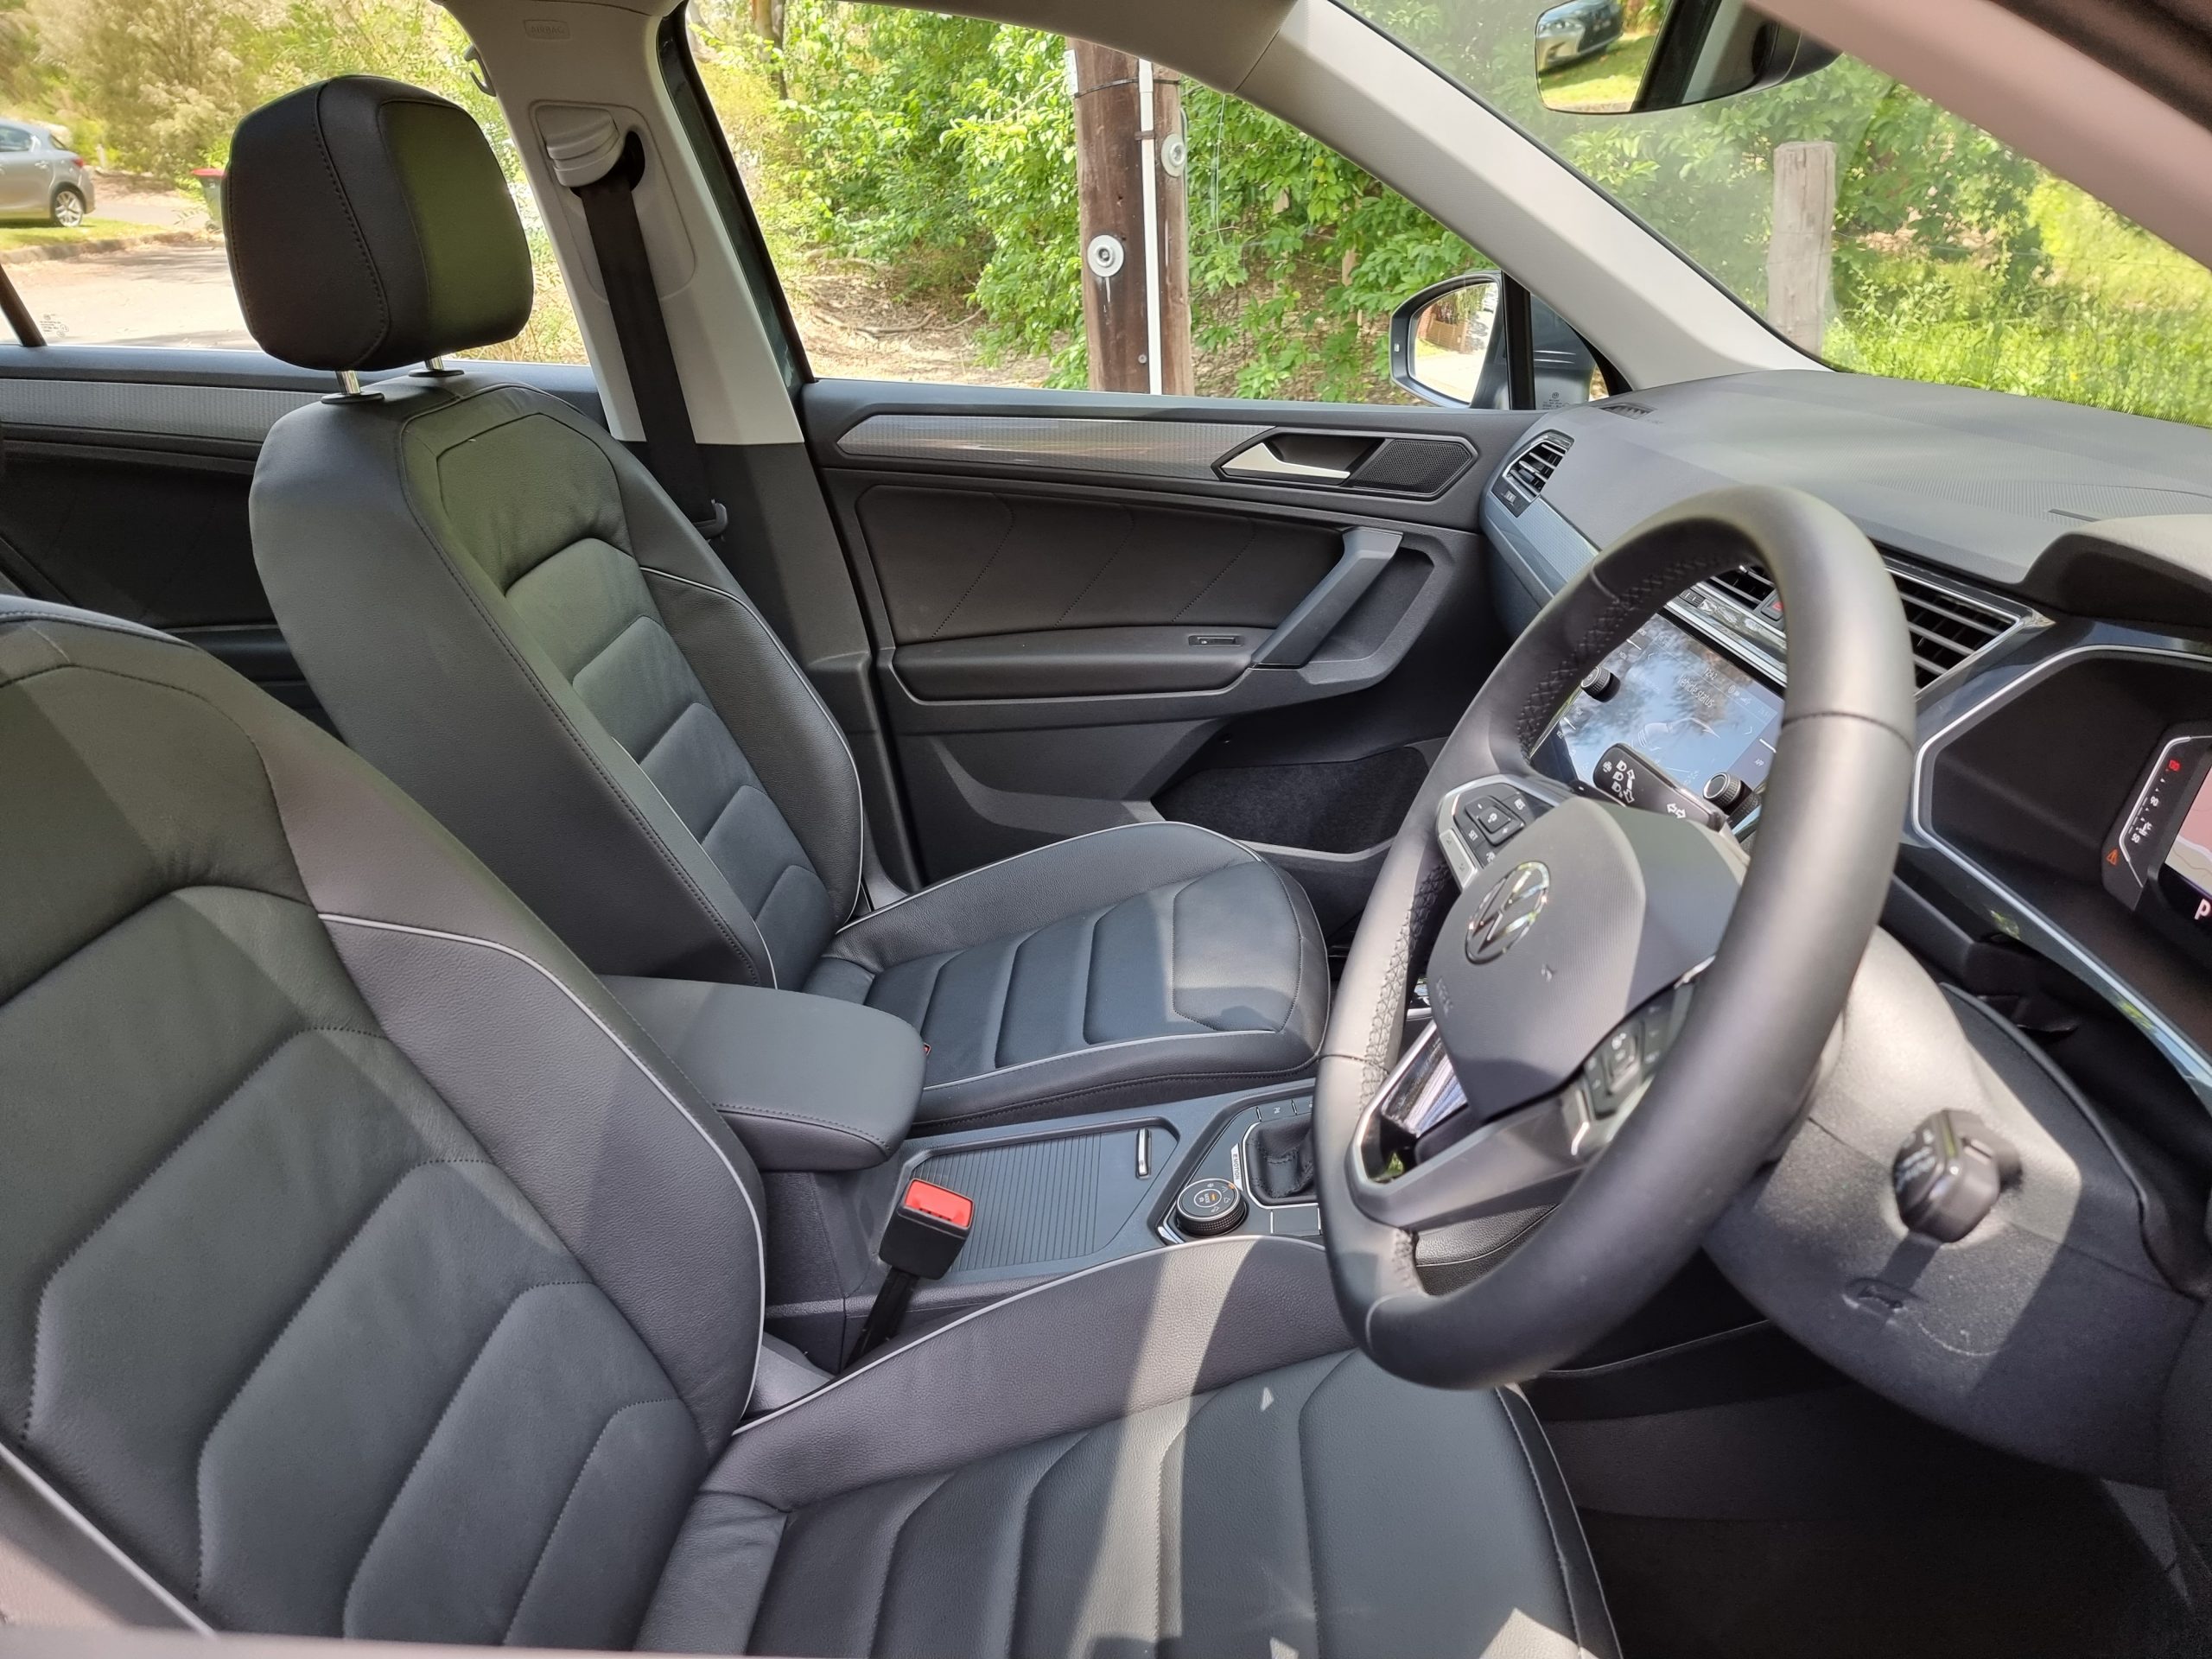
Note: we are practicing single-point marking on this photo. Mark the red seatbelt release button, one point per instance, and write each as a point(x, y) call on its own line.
point(926, 1229)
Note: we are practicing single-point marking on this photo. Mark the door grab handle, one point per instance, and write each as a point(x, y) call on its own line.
point(1261, 460)
point(1293, 643)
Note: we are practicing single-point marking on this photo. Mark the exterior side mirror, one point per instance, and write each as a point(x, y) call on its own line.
point(1619, 57)
point(1445, 341)
point(1451, 345)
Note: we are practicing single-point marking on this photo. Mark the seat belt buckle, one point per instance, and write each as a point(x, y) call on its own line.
point(921, 1240)
point(928, 1226)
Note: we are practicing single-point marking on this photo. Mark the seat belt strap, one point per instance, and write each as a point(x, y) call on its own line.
point(626, 272)
point(928, 1226)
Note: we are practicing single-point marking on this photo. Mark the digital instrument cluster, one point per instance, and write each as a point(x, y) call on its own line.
point(2158, 861)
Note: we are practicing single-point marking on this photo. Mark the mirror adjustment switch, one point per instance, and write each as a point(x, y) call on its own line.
point(1949, 1175)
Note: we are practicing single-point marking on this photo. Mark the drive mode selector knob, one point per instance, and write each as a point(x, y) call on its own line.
point(1209, 1206)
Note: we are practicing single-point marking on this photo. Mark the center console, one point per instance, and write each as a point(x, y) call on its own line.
point(1051, 1199)
point(822, 1094)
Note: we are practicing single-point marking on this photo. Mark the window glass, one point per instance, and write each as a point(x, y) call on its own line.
point(933, 190)
point(1911, 242)
point(14, 138)
point(149, 95)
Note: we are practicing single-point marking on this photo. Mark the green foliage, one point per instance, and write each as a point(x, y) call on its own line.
point(942, 150)
point(24, 71)
point(166, 79)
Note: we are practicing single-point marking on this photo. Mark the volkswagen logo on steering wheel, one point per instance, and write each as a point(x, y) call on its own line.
point(1508, 911)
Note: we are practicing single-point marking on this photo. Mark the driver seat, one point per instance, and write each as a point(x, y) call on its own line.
point(367, 1272)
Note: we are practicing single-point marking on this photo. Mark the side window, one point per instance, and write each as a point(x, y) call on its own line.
point(13, 139)
point(952, 200)
point(115, 235)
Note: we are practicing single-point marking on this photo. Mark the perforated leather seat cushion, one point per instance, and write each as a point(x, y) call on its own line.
point(1317, 1507)
point(1131, 964)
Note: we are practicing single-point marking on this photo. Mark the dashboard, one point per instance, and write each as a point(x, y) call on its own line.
point(2055, 566)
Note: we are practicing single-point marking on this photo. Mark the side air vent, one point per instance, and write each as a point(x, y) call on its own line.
point(1949, 628)
point(1526, 474)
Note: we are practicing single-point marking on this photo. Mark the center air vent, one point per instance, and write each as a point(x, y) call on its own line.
point(1947, 628)
point(1526, 474)
point(1747, 584)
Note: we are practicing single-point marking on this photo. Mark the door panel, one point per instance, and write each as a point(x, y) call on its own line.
point(127, 476)
point(1092, 610)
point(958, 563)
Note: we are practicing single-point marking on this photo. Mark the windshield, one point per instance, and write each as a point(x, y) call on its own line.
point(1946, 256)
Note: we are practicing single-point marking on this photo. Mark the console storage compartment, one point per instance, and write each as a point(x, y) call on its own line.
point(807, 1083)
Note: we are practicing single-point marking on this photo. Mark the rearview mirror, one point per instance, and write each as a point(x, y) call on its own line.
point(1450, 344)
point(1620, 57)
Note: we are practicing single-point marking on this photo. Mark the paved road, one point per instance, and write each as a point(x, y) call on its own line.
point(176, 296)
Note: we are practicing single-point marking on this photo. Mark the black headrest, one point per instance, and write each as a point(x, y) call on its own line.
point(369, 227)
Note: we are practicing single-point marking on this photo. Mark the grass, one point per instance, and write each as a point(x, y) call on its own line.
point(39, 235)
point(2119, 319)
point(1604, 82)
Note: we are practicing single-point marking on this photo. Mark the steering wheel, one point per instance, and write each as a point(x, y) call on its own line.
point(1628, 1014)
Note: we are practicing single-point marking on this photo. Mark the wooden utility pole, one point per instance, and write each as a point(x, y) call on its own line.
point(1803, 242)
point(1130, 162)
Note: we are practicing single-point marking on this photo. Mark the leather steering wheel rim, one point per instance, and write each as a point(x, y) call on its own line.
point(1733, 1083)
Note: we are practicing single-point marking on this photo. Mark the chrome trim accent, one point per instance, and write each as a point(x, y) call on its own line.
point(1718, 616)
point(2028, 924)
point(1260, 460)
point(1114, 445)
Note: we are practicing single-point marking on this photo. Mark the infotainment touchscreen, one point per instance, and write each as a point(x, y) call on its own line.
point(1681, 705)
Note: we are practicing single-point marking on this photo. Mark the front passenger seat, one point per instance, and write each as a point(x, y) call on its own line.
point(505, 613)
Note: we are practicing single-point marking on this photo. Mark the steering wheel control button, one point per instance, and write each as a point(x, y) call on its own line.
point(1624, 1060)
point(1495, 821)
point(1209, 1206)
point(1600, 683)
point(1634, 781)
point(1475, 820)
point(1949, 1175)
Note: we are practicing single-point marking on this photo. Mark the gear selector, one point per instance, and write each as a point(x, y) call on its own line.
point(1281, 1153)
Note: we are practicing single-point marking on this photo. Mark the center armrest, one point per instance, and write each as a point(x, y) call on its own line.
point(805, 1082)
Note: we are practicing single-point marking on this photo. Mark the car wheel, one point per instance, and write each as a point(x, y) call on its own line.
point(67, 208)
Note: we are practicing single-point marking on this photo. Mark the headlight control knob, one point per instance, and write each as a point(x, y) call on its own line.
point(1209, 1206)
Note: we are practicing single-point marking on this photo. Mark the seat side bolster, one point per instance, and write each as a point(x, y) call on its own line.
point(1076, 1352)
point(425, 930)
point(1015, 894)
point(761, 692)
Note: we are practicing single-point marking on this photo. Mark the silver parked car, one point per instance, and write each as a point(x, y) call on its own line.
point(41, 175)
